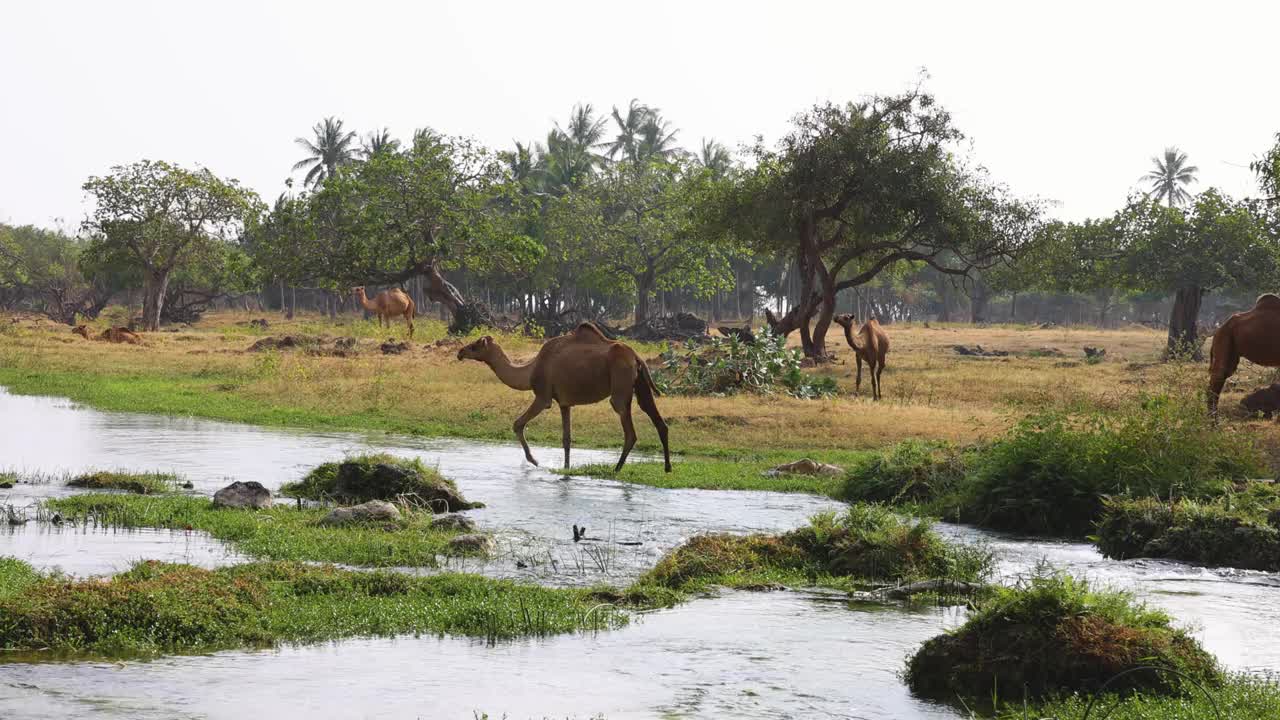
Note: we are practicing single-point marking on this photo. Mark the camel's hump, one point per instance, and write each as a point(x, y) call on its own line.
point(586, 329)
point(1269, 301)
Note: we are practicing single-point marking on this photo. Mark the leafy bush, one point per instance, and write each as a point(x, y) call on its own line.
point(379, 477)
point(1211, 533)
point(1053, 635)
point(911, 471)
point(1050, 474)
point(729, 366)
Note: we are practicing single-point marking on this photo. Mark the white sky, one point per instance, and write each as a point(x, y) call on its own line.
point(1065, 101)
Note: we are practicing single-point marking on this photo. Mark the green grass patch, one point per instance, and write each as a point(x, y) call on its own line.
point(277, 533)
point(1241, 697)
point(1233, 531)
point(15, 575)
point(379, 477)
point(160, 608)
point(911, 472)
point(144, 483)
point(867, 544)
point(1054, 635)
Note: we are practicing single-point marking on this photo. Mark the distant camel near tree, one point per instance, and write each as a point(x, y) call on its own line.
point(115, 335)
point(1253, 335)
point(388, 304)
point(871, 345)
point(582, 367)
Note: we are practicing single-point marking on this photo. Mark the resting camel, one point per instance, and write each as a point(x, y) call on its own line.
point(1253, 335)
point(115, 335)
point(582, 367)
point(871, 345)
point(388, 304)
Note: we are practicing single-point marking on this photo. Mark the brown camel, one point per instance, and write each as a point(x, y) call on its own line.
point(115, 335)
point(1253, 335)
point(871, 345)
point(580, 368)
point(388, 304)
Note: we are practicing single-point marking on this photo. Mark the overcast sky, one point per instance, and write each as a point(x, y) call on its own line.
point(1067, 101)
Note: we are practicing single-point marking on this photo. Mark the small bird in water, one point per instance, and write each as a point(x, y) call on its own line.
point(579, 533)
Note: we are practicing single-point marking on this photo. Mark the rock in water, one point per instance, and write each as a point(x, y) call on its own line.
point(372, 511)
point(471, 543)
point(243, 495)
point(454, 521)
point(806, 467)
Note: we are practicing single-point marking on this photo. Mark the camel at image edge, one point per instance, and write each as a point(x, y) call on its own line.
point(1253, 335)
point(871, 344)
point(388, 304)
point(580, 368)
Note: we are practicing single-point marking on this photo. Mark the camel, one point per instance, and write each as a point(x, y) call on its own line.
point(115, 335)
point(388, 304)
point(871, 345)
point(1253, 335)
point(582, 367)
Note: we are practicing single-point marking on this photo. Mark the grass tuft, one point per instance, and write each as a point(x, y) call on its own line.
point(145, 483)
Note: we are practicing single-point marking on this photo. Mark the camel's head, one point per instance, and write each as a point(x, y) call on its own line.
point(478, 350)
point(357, 290)
point(845, 321)
point(82, 331)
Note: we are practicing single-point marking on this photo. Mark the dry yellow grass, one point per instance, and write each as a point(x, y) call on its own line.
point(930, 391)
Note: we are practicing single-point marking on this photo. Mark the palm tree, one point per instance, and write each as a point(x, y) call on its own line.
point(331, 148)
point(657, 139)
point(715, 157)
point(1169, 175)
point(585, 129)
point(628, 129)
point(378, 141)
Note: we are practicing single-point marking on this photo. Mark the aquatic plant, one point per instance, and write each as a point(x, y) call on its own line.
point(912, 471)
point(379, 477)
point(1217, 532)
point(142, 483)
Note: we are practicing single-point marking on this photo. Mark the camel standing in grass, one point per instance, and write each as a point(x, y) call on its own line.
point(115, 335)
point(580, 368)
point(388, 304)
point(871, 345)
point(1253, 335)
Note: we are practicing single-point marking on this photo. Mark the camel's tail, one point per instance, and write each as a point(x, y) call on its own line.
point(644, 382)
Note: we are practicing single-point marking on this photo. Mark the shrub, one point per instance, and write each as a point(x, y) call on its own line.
point(729, 366)
point(1053, 635)
point(379, 477)
point(1050, 474)
point(1211, 533)
point(912, 471)
point(140, 483)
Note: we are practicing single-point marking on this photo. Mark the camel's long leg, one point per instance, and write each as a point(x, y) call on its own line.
point(408, 318)
point(857, 386)
point(623, 388)
point(644, 398)
point(879, 371)
point(1218, 375)
point(538, 406)
point(564, 432)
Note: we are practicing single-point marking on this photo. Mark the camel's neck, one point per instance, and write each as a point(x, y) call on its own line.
point(364, 302)
point(848, 335)
point(516, 377)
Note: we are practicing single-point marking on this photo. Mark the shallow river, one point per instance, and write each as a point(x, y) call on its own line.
point(741, 655)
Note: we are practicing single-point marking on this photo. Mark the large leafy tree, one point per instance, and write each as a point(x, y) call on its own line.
point(855, 189)
point(163, 218)
point(1216, 243)
point(329, 148)
point(442, 203)
point(1169, 176)
point(44, 270)
point(1268, 169)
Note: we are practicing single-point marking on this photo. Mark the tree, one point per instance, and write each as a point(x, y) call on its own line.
point(164, 218)
point(44, 269)
point(1268, 169)
point(443, 203)
point(1217, 243)
point(715, 157)
point(643, 134)
point(855, 189)
point(1168, 176)
point(331, 148)
point(375, 142)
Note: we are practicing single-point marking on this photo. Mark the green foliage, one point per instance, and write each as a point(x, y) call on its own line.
point(729, 366)
point(910, 472)
point(46, 270)
point(368, 483)
point(1229, 531)
point(277, 533)
point(1050, 474)
point(1051, 635)
point(145, 483)
point(157, 608)
point(1241, 697)
point(1267, 168)
point(15, 575)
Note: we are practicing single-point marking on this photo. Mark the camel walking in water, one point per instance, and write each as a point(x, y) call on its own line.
point(871, 345)
point(388, 304)
point(1253, 335)
point(580, 368)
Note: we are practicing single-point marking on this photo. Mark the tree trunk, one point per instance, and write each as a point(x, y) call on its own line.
point(1183, 338)
point(155, 285)
point(644, 287)
point(293, 302)
point(979, 301)
point(466, 315)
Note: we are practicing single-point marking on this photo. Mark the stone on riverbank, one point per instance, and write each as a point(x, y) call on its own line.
point(371, 511)
point(239, 494)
